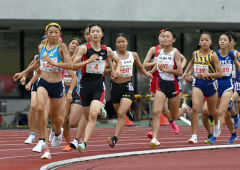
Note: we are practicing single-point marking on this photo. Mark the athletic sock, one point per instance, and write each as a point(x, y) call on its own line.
point(42, 139)
point(233, 134)
point(115, 139)
point(32, 133)
point(57, 134)
point(77, 140)
point(235, 115)
point(170, 121)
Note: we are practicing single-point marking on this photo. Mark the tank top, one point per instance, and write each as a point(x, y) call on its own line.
point(53, 55)
point(203, 64)
point(226, 64)
point(94, 70)
point(235, 73)
point(168, 62)
point(126, 65)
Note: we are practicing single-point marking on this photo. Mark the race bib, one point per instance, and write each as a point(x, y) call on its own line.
point(200, 69)
point(126, 70)
point(45, 66)
point(226, 69)
point(234, 71)
point(67, 77)
point(166, 64)
point(96, 67)
point(237, 86)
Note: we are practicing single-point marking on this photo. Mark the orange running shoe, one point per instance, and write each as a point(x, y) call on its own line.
point(67, 148)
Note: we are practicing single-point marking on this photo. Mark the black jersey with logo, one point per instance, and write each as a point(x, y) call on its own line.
point(102, 56)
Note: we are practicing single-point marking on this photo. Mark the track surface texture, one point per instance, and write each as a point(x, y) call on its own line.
point(14, 154)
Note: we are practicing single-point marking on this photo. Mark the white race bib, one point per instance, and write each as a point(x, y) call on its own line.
point(96, 67)
point(45, 66)
point(67, 77)
point(166, 64)
point(126, 70)
point(200, 69)
point(237, 86)
point(226, 69)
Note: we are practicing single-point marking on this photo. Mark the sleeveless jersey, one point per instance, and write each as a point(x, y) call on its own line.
point(53, 55)
point(67, 77)
point(226, 64)
point(153, 59)
point(235, 73)
point(126, 65)
point(168, 62)
point(203, 64)
point(94, 70)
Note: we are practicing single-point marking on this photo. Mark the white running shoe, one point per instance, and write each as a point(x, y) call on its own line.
point(193, 139)
point(189, 109)
point(51, 136)
point(103, 113)
point(154, 143)
point(81, 147)
point(40, 145)
point(74, 144)
point(46, 155)
point(57, 139)
point(30, 139)
point(217, 130)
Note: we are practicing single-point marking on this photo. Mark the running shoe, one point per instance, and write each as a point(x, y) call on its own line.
point(51, 136)
point(232, 139)
point(112, 141)
point(209, 136)
point(130, 116)
point(46, 155)
point(217, 130)
point(57, 139)
point(67, 148)
point(154, 143)
point(81, 147)
point(193, 139)
point(211, 140)
point(103, 113)
point(189, 109)
point(174, 127)
point(30, 139)
point(230, 106)
point(211, 122)
point(74, 144)
point(236, 121)
point(150, 134)
point(40, 145)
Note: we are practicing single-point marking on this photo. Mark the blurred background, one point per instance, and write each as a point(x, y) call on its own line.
point(22, 24)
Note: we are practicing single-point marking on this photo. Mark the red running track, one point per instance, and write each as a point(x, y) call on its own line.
point(14, 154)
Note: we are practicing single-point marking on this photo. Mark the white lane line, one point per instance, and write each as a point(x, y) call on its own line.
point(134, 153)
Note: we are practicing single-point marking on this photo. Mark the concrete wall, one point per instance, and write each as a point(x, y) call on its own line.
point(123, 10)
point(14, 105)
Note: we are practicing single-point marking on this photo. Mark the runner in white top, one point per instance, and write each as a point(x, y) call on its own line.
point(168, 86)
point(122, 91)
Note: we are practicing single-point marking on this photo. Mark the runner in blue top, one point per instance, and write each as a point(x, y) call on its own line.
point(225, 86)
point(236, 87)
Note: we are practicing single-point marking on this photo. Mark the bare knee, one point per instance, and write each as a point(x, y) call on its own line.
point(33, 107)
point(156, 112)
point(195, 109)
point(93, 114)
point(121, 114)
point(41, 111)
point(221, 112)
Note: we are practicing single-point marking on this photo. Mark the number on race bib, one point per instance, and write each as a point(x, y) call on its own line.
point(96, 66)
